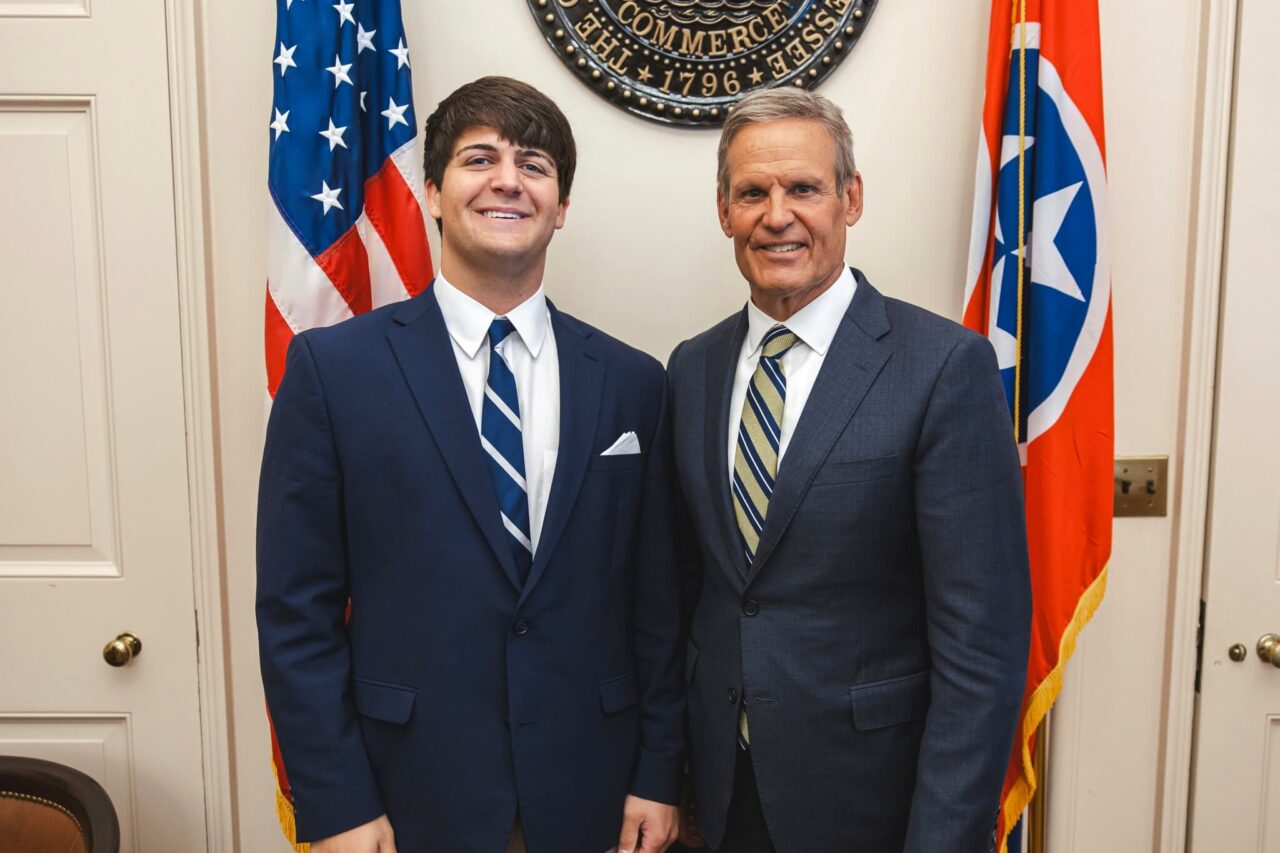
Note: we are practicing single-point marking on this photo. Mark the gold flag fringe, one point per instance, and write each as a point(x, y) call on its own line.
point(284, 811)
point(1042, 700)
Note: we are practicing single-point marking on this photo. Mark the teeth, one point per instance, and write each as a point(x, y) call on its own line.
point(493, 214)
point(782, 248)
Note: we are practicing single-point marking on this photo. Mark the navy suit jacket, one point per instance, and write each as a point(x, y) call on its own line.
point(880, 633)
point(455, 695)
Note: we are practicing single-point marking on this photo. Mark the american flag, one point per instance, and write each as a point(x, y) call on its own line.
point(346, 224)
point(1039, 287)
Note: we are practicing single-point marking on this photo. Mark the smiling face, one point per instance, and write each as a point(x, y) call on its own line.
point(499, 205)
point(785, 213)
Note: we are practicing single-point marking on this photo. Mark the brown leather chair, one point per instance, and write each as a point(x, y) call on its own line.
point(50, 808)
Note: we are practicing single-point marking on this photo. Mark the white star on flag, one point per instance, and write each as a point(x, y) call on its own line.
point(339, 72)
point(364, 40)
point(281, 123)
point(395, 114)
point(334, 135)
point(329, 197)
point(1048, 267)
point(401, 54)
point(344, 12)
point(285, 59)
point(363, 108)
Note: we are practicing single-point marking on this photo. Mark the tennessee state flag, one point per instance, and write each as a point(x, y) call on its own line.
point(1039, 287)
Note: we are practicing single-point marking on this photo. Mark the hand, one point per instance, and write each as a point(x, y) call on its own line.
point(690, 835)
point(647, 827)
point(373, 837)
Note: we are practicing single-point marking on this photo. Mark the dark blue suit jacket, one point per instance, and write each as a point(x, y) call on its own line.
point(454, 695)
point(880, 634)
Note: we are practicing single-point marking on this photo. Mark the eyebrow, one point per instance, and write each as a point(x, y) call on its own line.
point(751, 184)
point(476, 146)
point(493, 149)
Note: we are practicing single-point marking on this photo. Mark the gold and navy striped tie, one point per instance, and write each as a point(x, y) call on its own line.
point(755, 462)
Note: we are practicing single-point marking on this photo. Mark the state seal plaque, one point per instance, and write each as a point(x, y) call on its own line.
point(687, 62)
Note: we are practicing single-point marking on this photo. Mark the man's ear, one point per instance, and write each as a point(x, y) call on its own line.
point(560, 213)
point(853, 200)
point(722, 210)
point(433, 199)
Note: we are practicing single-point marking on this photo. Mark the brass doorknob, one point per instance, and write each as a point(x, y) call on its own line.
point(1269, 649)
point(122, 649)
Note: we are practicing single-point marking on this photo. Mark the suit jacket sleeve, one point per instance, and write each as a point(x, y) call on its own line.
point(688, 555)
point(656, 614)
point(301, 606)
point(971, 522)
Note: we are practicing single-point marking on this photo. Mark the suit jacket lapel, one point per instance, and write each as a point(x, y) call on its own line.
point(420, 341)
point(722, 362)
point(581, 389)
point(852, 363)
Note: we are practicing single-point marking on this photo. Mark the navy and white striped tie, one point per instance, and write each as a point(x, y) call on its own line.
point(504, 445)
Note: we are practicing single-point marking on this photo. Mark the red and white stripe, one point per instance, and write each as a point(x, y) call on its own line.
point(383, 258)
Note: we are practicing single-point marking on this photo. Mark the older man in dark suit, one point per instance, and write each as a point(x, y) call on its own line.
point(860, 632)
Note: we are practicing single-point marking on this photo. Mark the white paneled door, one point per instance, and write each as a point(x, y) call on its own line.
point(1236, 776)
point(95, 527)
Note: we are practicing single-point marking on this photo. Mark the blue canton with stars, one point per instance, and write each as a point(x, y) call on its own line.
point(1061, 257)
point(343, 104)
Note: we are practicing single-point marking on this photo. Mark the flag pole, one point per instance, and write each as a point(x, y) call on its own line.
point(1040, 800)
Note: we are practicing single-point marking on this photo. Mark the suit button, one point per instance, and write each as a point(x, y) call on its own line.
point(520, 628)
point(751, 608)
point(733, 696)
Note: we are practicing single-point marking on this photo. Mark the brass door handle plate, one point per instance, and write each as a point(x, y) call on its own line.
point(121, 650)
point(1269, 649)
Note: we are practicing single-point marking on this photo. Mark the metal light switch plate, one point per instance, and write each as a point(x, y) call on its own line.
point(1142, 486)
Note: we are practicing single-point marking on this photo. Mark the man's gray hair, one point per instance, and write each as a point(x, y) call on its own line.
point(781, 103)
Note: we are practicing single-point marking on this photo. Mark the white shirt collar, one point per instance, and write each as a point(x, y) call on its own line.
point(468, 321)
point(815, 324)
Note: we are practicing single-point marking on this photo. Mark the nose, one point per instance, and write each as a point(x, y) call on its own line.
point(777, 214)
point(505, 178)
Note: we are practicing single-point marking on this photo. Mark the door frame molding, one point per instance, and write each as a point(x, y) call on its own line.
point(183, 19)
point(1198, 408)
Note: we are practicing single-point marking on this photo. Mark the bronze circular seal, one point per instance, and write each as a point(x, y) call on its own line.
point(687, 62)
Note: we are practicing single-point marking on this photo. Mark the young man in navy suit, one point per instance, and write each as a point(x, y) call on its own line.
point(485, 480)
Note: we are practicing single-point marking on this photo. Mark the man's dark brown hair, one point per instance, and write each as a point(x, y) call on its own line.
point(521, 115)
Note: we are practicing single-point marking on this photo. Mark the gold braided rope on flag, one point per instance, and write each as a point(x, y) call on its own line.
point(1024, 788)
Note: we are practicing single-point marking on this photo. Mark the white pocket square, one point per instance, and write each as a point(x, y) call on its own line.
point(626, 443)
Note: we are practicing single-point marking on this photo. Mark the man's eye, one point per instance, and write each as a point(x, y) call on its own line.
point(751, 194)
point(805, 189)
point(478, 161)
point(536, 168)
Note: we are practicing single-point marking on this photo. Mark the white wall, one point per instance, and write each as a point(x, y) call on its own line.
point(643, 257)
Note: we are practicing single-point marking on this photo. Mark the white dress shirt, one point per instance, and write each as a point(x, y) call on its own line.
point(531, 354)
point(815, 325)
